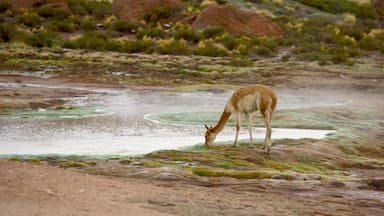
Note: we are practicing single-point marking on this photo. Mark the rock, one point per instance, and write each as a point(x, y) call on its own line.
point(335, 183)
point(379, 8)
point(125, 161)
point(236, 21)
point(135, 10)
point(376, 184)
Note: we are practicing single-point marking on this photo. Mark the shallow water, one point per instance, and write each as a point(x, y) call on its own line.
point(123, 126)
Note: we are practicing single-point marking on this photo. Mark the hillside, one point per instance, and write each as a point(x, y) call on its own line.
point(320, 31)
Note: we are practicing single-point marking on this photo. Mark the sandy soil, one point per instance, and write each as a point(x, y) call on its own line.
point(28, 189)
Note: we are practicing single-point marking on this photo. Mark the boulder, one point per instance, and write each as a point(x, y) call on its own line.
point(135, 10)
point(236, 21)
point(379, 8)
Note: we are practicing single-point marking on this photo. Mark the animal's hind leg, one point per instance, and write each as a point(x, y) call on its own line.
point(268, 133)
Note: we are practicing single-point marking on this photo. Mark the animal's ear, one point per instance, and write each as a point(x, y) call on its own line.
point(206, 127)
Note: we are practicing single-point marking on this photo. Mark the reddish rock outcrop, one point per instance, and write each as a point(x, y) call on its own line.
point(236, 21)
point(379, 7)
point(133, 10)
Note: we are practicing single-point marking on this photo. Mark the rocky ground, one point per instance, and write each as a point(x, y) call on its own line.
point(340, 175)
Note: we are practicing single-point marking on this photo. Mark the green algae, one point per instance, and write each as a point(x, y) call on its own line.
point(249, 174)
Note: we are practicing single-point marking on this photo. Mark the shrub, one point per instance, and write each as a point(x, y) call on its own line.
point(352, 31)
point(264, 46)
point(99, 9)
point(210, 49)
point(92, 40)
point(29, 19)
point(372, 42)
point(212, 32)
point(88, 24)
point(124, 26)
point(4, 6)
point(339, 55)
point(152, 32)
point(240, 62)
point(7, 32)
point(171, 46)
point(43, 39)
point(70, 44)
point(342, 6)
point(138, 46)
point(61, 26)
point(160, 13)
point(188, 34)
point(230, 42)
point(113, 45)
point(51, 12)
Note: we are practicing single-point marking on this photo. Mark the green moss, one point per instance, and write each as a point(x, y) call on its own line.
point(303, 167)
point(152, 164)
point(73, 164)
point(251, 174)
point(374, 162)
point(24, 61)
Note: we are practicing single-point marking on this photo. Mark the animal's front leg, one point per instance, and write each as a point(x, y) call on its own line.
point(238, 124)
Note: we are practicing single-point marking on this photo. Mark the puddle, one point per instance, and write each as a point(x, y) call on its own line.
point(118, 122)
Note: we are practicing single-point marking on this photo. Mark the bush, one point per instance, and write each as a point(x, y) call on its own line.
point(160, 13)
point(339, 55)
point(99, 9)
point(372, 43)
point(124, 26)
point(210, 49)
point(264, 46)
point(51, 12)
point(88, 24)
point(240, 62)
point(113, 45)
point(230, 42)
point(342, 6)
point(70, 44)
point(212, 32)
point(92, 40)
point(188, 34)
point(7, 32)
point(4, 6)
point(152, 32)
point(138, 46)
point(29, 19)
point(61, 26)
point(174, 47)
point(44, 39)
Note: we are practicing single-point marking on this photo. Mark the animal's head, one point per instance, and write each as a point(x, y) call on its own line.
point(210, 136)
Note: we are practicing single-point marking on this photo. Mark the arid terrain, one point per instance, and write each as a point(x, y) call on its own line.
point(342, 174)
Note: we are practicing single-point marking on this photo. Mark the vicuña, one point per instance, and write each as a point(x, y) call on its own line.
point(245, 101)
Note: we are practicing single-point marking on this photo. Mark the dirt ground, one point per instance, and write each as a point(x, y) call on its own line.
point(111, 187)
point(28, 189)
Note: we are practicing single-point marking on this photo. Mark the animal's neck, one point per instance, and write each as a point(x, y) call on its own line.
point(222, 121)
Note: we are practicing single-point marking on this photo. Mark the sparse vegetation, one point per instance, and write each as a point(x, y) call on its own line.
point(312, 38)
